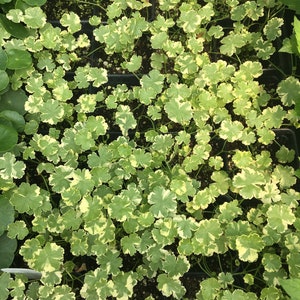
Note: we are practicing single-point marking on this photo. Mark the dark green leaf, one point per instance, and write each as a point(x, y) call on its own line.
point(4, 283)
point(15, 29)
point(18, 59)
point(3, 59)
point(13, 100)
point(291, 286)
point(297, 32)
point(297, 107)
point(20, 4)
point(4, 80)
point(15, 118)
point(5, 1)
point(7, 251)
point(35, 2)
point(292, 4)
point(7, 213)
point(8, 137)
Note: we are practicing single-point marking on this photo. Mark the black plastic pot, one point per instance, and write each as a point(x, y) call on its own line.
point(129, 79)
point(270, 78)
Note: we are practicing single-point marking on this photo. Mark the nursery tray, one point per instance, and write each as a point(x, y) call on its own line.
point(129, 79)
point(53, 13)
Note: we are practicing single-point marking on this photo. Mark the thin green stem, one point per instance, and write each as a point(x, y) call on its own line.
point(91, 3)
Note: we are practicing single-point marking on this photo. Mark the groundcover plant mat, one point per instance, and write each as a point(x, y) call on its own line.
point(154, 153)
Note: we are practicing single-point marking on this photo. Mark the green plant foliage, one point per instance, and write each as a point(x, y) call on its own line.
point(152, 85)
point(162, 202)
point(294, 5)
point(35, 2)
point(289, 90)
point(291, 287)
point(30, 198)
point(71, 21)
point(17, 121)
point(4, 80)
point(7, 251)
point(207, 242)
point(170, 286)
point(5, 281)
point(110, 187)
point(134, 64)
point(15, 29)
point(44, 259)
point(14, 101)
point(17, 230)
point(10, 168)
point(297, 32)
point(7, 213)
point(18, 59)
point(8, 137)
point(248, 246)
point(280, 217)
point(11, 122)
point(125, 119)
point(132, 29)
point(249, 183)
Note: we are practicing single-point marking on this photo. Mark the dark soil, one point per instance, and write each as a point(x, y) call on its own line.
point(83, 10)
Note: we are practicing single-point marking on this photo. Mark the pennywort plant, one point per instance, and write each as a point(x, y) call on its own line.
point(111, 189)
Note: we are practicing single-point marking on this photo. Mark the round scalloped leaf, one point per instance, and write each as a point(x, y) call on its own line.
point(249, 183)
point(179, 112)
point(280, 216)
point(34, 17)
point(271, 262)
point(175, 266)
point(18, 59)
point(125, 119)
point(289, 90)
point(8, 137)
point(18, 230)
point(170, 286)
point(47, 259)
point(207, 239)
point(71, 21)
point(248, 246)
point(232, 42)
point(134, 64)
point(285, 155)
point(272, 29)
point(162, 201)
point(10, 168)
point(231, 130)
point(7, 251)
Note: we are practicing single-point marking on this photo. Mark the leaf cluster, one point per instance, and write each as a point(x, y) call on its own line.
point(186, 171)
